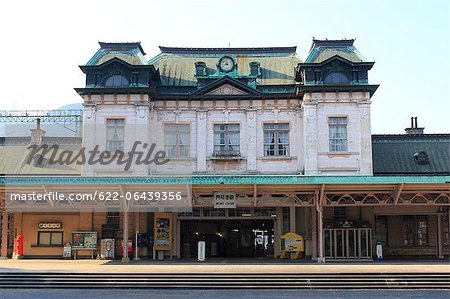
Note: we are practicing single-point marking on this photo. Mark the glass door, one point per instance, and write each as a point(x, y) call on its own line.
point(328, 243)
point(365, 243)
point(351, 243)
point(339, 243)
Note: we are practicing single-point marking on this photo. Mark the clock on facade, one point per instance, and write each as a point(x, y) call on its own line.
point(226, 64)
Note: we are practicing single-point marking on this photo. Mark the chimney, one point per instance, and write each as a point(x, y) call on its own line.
point(37, 135)
point(414, 129)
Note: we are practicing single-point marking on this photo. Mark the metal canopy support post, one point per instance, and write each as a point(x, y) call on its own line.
point(125, 258)
point(439, 236)
point(136, 248)
point(4, 244)
point(314, 232)
point(319, 207)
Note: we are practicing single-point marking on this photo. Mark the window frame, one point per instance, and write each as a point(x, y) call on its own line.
point(333, 146)
point(413, 239)
point(50, 239)
point(177, 137)
point(225, 148)
point(276, 145)
point(121, 143)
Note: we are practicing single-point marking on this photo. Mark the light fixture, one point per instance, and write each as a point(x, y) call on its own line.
point(246, 215)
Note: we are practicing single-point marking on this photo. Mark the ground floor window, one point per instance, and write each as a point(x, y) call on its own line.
point(415, 231)
point(50, 238)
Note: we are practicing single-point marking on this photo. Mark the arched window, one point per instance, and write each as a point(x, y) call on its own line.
point(336, 78)
point(117, 80)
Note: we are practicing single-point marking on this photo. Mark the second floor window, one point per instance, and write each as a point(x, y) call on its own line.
point(115, 134)
point(276, 140)
point(177, 140)
point(226, 140)
point(338, 134)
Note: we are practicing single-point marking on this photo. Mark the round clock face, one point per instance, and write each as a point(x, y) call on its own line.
point(226, 64)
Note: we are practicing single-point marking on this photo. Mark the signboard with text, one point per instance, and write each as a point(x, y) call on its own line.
point(163, 231)
point(224, 200)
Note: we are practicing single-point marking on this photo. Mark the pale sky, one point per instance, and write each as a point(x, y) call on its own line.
point(43, 42)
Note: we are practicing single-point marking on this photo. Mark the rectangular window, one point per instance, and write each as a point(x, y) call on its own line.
point(355, 76)
point(226, 140)
point(177, 140)
point(317, 76)
point(135, 80)
point(338, 134)
point(415, 231)
point(340, 214)
point(381, 226)
point(276, 140)
point(98, 78)
point(113, 218)
point(115, 134)
point(50, 238)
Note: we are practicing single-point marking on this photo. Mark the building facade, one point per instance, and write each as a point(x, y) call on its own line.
point(287, 142)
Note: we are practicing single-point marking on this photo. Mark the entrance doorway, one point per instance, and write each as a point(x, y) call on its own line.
point(228, 238)
point(347, 243)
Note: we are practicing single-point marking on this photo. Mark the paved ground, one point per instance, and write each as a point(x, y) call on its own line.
point(220, 266)
point(248, 294)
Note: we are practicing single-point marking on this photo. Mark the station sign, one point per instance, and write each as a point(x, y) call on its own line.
point(224, 200)
point(50, 225)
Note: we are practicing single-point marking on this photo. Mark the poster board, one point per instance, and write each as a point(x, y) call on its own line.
point(291, 242)
point(163, 231)
point(84, 240)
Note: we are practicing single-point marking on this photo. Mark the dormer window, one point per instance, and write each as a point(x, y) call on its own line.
point(421, 158)
point(255, 69)
point(116, 81)
point(200, 68)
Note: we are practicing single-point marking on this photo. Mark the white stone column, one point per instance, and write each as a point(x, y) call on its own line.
point(365, 139)
point(202, 144)
point(251, 140)
point(310, 137)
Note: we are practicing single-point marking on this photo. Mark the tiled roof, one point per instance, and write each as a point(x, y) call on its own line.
point(176, 65)
point(394, 154)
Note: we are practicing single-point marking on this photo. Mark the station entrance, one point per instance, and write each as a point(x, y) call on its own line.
point(228, 238)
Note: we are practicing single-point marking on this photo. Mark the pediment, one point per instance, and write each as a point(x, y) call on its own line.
point(226, 90)
point(227, 86)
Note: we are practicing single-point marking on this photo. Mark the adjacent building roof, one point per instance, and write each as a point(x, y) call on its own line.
point(322, 50)
point(425, 154)
point(176, 65)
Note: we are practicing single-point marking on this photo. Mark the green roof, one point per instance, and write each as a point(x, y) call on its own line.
point(131, 53)
point(395, 154)
point(322, 50)
point(176, 65)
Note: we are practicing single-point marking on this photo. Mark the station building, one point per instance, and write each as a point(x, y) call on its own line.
point(267, 143)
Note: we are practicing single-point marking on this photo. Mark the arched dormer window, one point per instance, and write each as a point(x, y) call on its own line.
point(116, 80)
point(336, 78)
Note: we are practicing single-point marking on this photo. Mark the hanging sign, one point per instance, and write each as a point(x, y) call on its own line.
point(224, 200)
